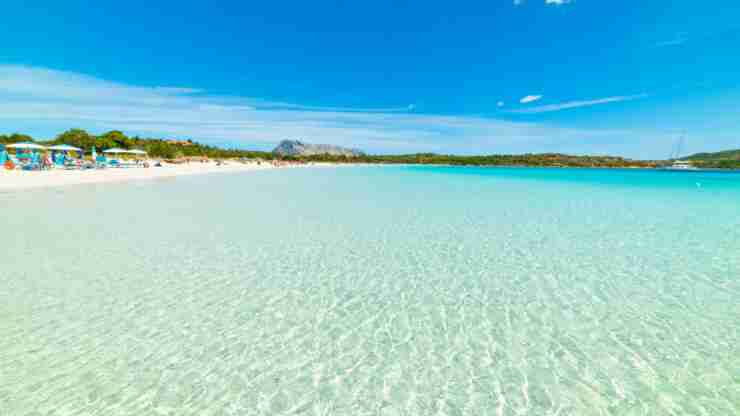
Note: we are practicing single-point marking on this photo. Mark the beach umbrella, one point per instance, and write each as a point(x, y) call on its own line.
point(26, 145)
point(115, 150)
point(137, 152)
point(94, 153)
point(61, 149)
point(65, 148)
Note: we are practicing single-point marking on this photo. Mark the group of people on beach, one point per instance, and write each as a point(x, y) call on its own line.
point(46, 159)
point(39, 162)
point(283, 163)
point(25, 160)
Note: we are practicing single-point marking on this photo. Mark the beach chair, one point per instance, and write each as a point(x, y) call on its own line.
point(114, 163)
point(6, 161)
point(58, 160)
point(100, 161)
point(33, 162)
point(23, 158)
point(30, 164)
point(28, 161)
point(12, 163)
point(71, 164)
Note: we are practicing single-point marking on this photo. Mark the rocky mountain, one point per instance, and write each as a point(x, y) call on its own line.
point(298, 148)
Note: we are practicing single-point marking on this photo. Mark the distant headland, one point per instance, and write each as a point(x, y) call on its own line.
point(298, 148)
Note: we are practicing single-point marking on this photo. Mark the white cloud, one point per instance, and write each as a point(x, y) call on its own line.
point(178, 90)
point(672, 42)
point(59, 100)
point(576, 104)
point(530, 99)
point(681, 38)
point(555, 2)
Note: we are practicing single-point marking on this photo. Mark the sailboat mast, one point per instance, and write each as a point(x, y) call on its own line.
point(678, 146)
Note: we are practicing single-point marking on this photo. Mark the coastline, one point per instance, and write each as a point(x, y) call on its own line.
point(15, 180)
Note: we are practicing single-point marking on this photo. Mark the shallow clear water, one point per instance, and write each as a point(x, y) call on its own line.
point(378, 291)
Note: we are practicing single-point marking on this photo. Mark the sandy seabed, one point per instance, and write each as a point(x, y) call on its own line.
point(19, 180)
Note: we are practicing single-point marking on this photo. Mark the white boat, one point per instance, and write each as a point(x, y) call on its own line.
point(681, 165)
point(675, 154)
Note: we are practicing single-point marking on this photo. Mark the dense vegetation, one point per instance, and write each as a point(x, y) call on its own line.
point(544, 159)
point(174, 149)
point(166, 149)
point(728, 159)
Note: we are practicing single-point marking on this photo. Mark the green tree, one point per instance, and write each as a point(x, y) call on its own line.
point(76, 137)
point(115, 138)
point(15, 138)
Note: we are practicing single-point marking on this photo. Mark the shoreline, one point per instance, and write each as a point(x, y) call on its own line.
point(15, 180)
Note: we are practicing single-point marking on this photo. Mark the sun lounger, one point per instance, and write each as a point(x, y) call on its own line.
point(58, 160)
point(14, 162)
point(100, 162)
point(32, 163)
point(5, 161)
point(71, 164)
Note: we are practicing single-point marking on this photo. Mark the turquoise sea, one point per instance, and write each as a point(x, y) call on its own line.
point(374, 291)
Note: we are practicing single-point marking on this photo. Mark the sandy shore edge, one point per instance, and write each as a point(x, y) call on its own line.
point(11, 180)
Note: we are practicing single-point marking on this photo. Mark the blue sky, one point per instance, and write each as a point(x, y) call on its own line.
point(512, 76)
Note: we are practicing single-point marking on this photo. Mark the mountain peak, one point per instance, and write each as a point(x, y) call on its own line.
point(300, 148)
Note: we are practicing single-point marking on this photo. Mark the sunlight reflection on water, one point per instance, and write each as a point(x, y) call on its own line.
point(374, 291)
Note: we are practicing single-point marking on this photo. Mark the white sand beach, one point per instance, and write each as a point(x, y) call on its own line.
point(19, 180)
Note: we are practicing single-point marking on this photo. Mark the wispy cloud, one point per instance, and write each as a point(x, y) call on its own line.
point(530, 99)
point(554, 2)
point(577, 104)
point(682, 38)
point(677, 40)
point(264, 105)
point(672, 42)
point(61, 100)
